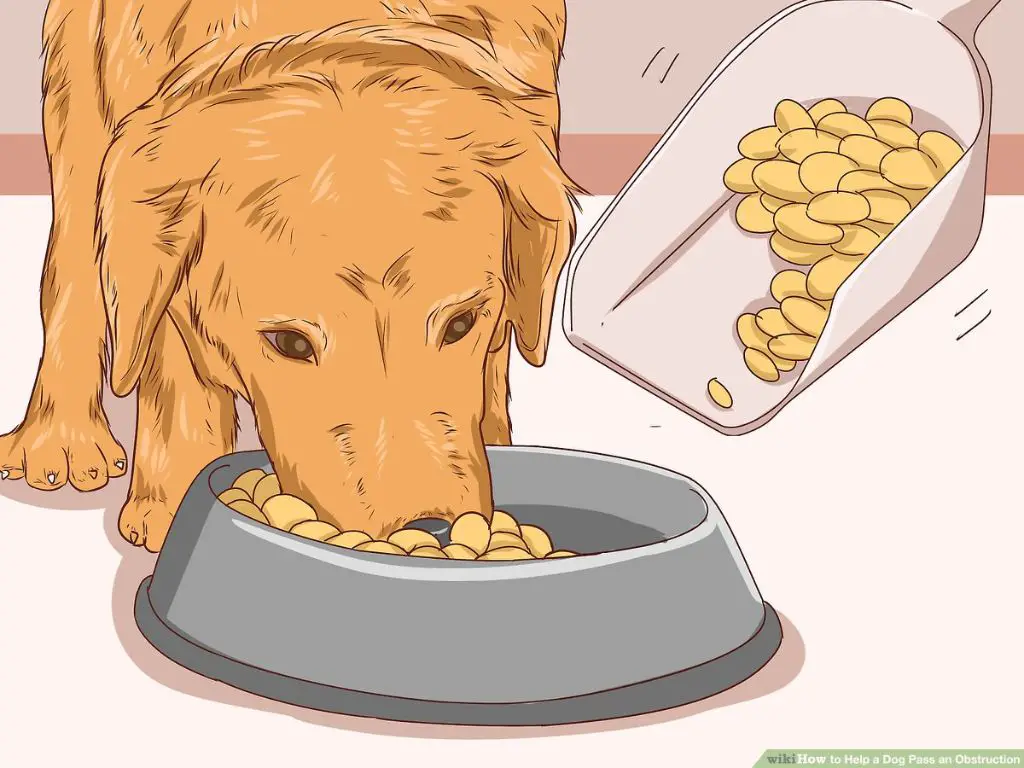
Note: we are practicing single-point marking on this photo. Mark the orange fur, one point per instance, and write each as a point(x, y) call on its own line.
point(224, 172)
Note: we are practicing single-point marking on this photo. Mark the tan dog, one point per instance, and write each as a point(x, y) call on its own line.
point(335, 210)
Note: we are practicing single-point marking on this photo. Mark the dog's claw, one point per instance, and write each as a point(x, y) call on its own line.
point(119, 463)
point(134, 537)
point(51, 477)
point(4, 474)
point(94, 473)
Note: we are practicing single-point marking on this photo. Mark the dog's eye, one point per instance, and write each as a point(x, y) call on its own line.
point(458, 327)
point(291, 344)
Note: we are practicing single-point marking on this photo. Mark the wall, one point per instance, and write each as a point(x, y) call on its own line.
point(604, 90)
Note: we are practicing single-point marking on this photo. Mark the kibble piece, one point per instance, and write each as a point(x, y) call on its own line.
point(910, 168)
point(738, 176)
point(797, 145)
point(409, 539)
point(247, 480)
point(838, 208)
point(234, 494)
point(802, 254)
point(788, 282)
point(506, 553)
point(265, 488)
point(807, 315)
point(537, 540)
point(459, 552)
point(751, 216)
point(886, 207)
point(771, 321)
point(505, 539)
point(879, 228)
point(315, 529)
point(760, 364)
point(866, 151)
point(560, 553)
point(844, 124)
point(434, 552)
point(827, 275)
point(790, 115)
point(350, 539)
point(941, 149)
point(772, 203)
point(250, 510)
point(781, 179)
point(857, 241)
point(760, 144)
point(721, 396)
point(822, 171)
point(793, 222)
point(284, 511)
point(471, 529)
point(826, 107)
point(793, 346)
point(503, 522)
point(753, 337)
point(889, 108)
point(379, 547)
point(894, 133)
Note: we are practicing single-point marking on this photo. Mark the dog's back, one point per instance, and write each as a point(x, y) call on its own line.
point(131, 47)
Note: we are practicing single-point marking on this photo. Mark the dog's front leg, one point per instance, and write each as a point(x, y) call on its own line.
point(183, 425)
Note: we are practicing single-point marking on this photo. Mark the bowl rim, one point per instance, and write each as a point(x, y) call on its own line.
point(414, 566)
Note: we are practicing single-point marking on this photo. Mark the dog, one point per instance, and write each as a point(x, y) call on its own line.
point(341, 213)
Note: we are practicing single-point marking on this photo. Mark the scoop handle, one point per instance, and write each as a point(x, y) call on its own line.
point(962, 17)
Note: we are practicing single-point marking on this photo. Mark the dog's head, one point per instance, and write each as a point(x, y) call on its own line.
point(343, 229)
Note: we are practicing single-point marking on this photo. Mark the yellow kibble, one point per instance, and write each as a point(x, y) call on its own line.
point(886, 207)
point(838, 208)
point(459, 552)
point(265, 488)
point(802, 254)
point(560, 553)
point(505, 539)
point(350, 539)
point(760, 144)
point(867, 152)
point(790, 115)
point(894, 133)
point(503, 522)
point(822, 171)
point(772, 203)
point(754, 217)
point(409, 539)
point(719, 394)
point(315, 529)
point(788, 282)
point(537, 540)
point(807, 315)
point(738, 176)
point(793, 222)
point(247, 480)
point(234, 494)
point(433, 552)
point(826, 107)
point(760, 364)
point(889, 108)
point(781, 179)
point(771, 321)
point(379, 547)
point(857, 241)
point(284, 511)
point(797, 145)
point(793, 346)
point(827, 275)
point(942, 150)
point(471, 529)
point(910, 168)
point(506, 553)
point(845, 124)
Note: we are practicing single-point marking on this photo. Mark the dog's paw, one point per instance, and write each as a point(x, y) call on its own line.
point(56, 449)
point(144, 522)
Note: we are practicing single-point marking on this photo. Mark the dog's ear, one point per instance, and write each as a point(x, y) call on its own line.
point(540, 227)
point(148, 228)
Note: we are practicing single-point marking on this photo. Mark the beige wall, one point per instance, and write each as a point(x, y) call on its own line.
point(606, 52)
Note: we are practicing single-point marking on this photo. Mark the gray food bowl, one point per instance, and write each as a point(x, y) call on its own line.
point(663, 613)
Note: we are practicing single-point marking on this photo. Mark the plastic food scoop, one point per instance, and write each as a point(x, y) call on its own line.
point(656, 288)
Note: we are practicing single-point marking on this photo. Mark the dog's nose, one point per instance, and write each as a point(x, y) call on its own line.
point(438, 528)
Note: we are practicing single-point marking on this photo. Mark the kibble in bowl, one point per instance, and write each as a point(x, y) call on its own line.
point(257, 494)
